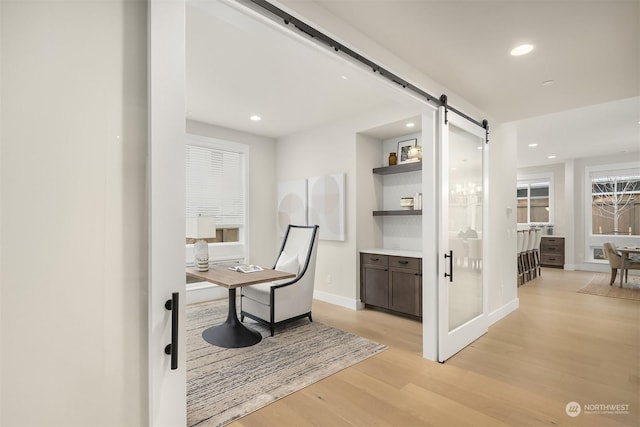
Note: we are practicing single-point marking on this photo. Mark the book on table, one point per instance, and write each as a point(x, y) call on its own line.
point(246, 268)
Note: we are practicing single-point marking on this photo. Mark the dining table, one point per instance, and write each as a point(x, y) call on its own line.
point(232, 333)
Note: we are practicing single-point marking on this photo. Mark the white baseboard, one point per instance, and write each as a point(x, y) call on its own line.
point(502, 312)
point(349, 303)
point(204, 291)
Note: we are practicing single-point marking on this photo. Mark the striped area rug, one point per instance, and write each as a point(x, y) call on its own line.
point(226, 384)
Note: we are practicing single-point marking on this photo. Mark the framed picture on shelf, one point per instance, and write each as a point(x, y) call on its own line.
point(403, 150)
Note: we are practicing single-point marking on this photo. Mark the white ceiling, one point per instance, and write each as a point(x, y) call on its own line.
point(237, 66)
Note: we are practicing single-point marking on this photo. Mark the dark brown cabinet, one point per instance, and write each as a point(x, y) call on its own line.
point(392, 282)
point(552, 251)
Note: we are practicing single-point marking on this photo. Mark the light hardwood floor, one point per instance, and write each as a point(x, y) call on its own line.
point(559, 346)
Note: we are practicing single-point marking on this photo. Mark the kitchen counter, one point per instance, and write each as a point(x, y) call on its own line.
point(393, 252)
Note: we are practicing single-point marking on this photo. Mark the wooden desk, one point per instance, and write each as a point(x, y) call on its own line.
point(232, 333)
point(625, 251)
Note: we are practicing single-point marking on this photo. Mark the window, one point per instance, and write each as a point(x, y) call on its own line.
point(612, 208)
point(615, 204)
point(534, 201)
point(216, 185)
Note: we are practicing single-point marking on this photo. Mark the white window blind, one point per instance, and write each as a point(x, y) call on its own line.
point(215, 185)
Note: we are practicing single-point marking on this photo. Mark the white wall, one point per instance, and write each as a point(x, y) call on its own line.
point(1, 222)
point(368, 196)
point(326, 150)
point(73, 219)
point(263, 245)
point(501, 259)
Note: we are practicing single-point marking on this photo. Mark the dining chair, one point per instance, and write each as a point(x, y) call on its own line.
point(615, 262)
point(276, 303)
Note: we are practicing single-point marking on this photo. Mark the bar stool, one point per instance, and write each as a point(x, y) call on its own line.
point(536, 253)
point(529, 254)
point(522, 255)
point(520, 245)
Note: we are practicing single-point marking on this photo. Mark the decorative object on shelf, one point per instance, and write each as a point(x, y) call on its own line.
point(403, 150)
point(417, 201)
point(201, 227)
point(393, 159)
point(415, 153)
point(406, 203)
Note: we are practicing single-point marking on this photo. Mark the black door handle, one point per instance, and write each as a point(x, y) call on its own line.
point(173, 305)
point(450, 274)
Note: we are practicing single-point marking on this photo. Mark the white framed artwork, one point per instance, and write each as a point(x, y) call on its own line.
point(326, 205)
point(292, 204)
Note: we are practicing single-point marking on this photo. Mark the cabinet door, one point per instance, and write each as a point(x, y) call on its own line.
point(405, 291)
point(375, 285)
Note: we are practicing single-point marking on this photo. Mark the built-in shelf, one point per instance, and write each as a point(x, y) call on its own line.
point(398, 212)
point(405, 167)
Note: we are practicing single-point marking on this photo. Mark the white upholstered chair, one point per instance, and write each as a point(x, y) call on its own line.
point(287, 300)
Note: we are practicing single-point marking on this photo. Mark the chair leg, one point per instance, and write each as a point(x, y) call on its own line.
point(614, 273)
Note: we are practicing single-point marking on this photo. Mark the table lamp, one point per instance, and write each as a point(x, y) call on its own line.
point(199, 228)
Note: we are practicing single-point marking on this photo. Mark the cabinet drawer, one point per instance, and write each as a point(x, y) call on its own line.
point(405, 262)
point(556, 249)
point(374, 259)
point(552, 259)
point(552, 240)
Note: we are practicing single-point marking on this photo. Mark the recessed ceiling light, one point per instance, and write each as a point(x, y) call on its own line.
point(344, 77)
point(523, 49)
point(255, 118)
point(479, 147)
point(410, 125)
point(548, 82)
point(551, 157)
point(533, 145)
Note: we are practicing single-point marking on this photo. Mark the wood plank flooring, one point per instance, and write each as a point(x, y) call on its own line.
point(558, 347)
